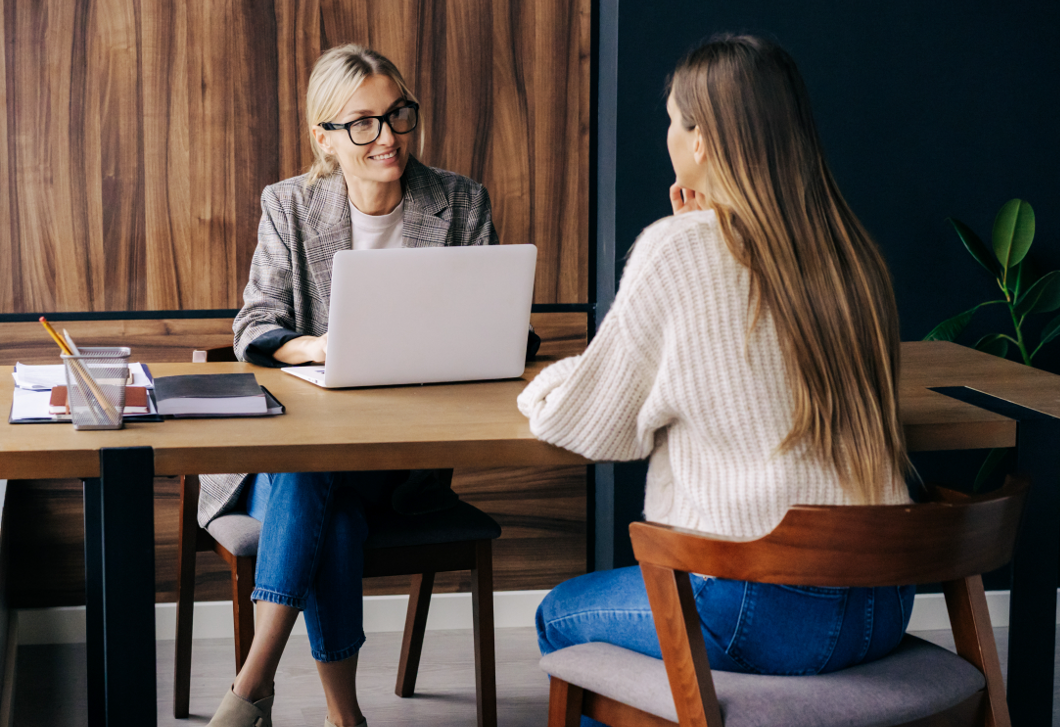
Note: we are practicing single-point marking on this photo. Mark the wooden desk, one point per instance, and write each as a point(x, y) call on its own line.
point(478, 425)
point(458, 425)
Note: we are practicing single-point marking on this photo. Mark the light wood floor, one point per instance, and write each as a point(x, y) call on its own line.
point(50, 688)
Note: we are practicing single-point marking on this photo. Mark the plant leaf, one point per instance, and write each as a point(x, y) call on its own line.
point(950, 328)
point(993, 459)
point(1042, 297)
point(993, 343)
point(1019, 281)
point(976, 247)
point(1051, 331)
point(1013, 232)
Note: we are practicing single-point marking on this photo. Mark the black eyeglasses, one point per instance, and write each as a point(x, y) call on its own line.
point(365, 130)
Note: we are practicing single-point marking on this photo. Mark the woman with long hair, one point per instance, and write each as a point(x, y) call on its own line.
point(365, 189)
point(752, 354)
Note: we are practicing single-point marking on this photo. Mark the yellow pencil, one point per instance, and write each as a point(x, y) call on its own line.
point(55, 336)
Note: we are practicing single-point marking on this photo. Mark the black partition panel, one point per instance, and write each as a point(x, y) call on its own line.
point(926, 110)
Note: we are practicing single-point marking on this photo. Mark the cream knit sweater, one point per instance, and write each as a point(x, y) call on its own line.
point(672, 374)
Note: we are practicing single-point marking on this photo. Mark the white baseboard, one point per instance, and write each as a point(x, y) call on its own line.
point(213, 619)
point(930, 614)
point(512, 609)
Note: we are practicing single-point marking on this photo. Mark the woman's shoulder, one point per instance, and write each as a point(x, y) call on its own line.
point(294, 191)
point(320, 204)
point(698, 224)
point(671, 235)
point(422, 179)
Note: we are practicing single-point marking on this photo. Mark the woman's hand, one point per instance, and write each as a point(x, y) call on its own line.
point(684, 200)
point(304, 349)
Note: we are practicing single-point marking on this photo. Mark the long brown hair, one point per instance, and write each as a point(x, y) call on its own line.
point(813, 266)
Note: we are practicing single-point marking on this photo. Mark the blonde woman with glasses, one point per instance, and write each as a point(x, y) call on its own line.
point(366, 189)
point(752, 354)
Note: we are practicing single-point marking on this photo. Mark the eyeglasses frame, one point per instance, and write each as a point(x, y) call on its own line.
point(385, 118)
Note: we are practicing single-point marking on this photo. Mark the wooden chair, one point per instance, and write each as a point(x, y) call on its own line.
point(459, 538)
point(952, 540)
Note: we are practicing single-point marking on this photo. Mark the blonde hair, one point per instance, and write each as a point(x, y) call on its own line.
point(812, 265)
point(336, 76)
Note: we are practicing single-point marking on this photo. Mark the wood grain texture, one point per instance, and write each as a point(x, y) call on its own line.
point(853, 545)
point(683, 649)
point(138, 134)
point(974, 639)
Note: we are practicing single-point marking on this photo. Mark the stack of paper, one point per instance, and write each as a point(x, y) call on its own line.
point(40, 378)
point(31, 398)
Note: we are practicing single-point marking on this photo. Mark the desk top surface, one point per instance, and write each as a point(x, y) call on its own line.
point(466, 424)
point(449, 425)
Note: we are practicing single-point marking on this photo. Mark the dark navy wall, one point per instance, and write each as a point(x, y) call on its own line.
point(926, 110)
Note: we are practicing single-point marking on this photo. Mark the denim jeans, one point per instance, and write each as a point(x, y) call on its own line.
point(310, 555)
point(755, 628)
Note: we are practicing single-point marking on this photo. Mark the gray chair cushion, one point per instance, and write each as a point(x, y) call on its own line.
point(239, 532)
point(914, 681)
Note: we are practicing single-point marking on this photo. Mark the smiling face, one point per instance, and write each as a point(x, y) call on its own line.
point(381, 163)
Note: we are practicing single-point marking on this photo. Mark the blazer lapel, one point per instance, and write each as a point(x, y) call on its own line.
point(328, 230)
point(427, 212)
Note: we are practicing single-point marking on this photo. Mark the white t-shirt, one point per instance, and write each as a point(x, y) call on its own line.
point(374, 232)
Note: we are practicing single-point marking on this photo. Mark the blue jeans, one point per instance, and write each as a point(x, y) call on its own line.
point(754, 628)
point(310, 555)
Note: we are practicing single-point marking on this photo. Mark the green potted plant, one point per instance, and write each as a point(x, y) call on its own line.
point(1011, 239)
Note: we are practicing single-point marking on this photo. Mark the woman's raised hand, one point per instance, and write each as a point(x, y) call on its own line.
point(683, 199)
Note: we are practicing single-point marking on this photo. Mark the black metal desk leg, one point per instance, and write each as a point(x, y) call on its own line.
point(120, 589)
point(1032, 606)
point(1036, 563)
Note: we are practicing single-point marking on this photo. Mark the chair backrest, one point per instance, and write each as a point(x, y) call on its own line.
point(854, 545)
point(953, 540)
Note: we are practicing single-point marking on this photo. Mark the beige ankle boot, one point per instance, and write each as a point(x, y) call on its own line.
point(238, 712)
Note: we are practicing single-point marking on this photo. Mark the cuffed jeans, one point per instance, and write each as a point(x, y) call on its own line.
point(311, 551)
point(754, 628)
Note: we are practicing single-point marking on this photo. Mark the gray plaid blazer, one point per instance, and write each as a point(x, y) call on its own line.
point(301, 229)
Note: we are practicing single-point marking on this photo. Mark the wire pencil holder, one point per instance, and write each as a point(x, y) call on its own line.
point(95, 385)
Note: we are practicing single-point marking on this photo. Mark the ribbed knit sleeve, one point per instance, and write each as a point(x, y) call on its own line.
point(591, 404)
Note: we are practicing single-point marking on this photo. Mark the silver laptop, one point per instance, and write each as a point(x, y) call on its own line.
point(425, 315)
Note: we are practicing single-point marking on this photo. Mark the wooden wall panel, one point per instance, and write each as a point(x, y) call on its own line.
point(139, 134)
point(9, 249)
point(167, 157)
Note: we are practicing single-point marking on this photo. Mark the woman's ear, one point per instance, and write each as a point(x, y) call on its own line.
point(699, 146)
point(322, 139)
